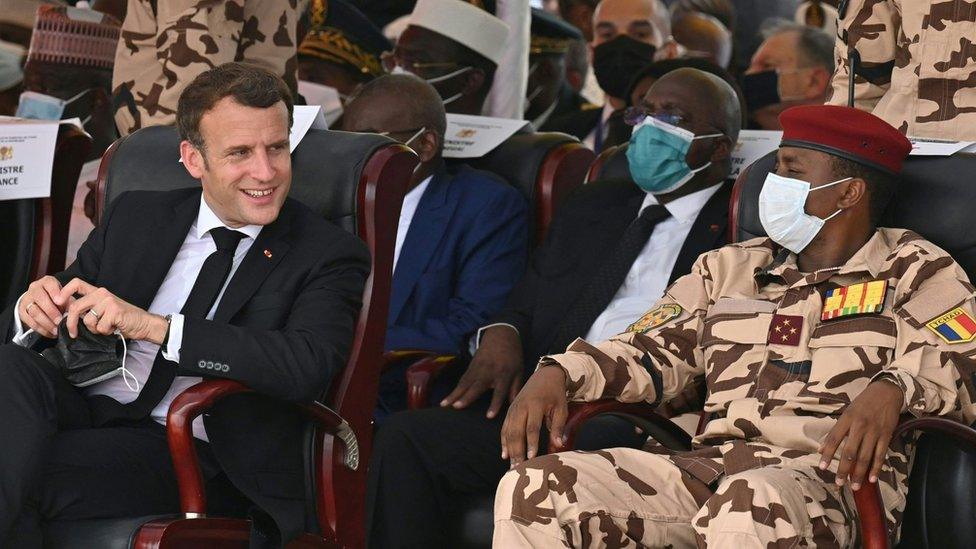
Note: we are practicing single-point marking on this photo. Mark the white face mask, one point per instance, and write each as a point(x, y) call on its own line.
point(782, 213)
point(400, 70)
point(328, 97)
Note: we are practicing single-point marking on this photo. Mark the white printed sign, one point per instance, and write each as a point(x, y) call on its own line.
point(937, 147)
point(753, 145)
point(471, 136)
point(26, 157)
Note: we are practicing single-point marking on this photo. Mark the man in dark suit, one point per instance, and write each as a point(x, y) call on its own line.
point(609, 254)
point(549, 94)
point(235, 282)
point(462, 241)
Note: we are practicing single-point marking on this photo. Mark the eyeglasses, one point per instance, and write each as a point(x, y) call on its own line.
point(634, 116)
point(391, 59)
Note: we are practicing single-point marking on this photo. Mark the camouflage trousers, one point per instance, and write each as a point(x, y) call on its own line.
point(630, 498)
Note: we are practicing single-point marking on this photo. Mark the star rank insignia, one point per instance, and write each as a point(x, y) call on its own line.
point(785, 330)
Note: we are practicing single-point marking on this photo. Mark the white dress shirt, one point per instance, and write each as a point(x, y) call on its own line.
point(410, 202)
point(172, 294)
point(648, 276)
point(590, 140)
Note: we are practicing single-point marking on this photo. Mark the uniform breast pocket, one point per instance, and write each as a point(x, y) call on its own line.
point(733, 342)
point(846, 354)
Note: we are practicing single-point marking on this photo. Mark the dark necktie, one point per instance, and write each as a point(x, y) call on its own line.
point(205, 290)
point(608, 278)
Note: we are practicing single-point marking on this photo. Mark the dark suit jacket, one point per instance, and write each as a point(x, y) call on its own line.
point(583, 234)
point(466, 248)
point(283, 327)
point(577, 123)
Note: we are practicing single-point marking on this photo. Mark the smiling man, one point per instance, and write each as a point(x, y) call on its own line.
point(236, 281)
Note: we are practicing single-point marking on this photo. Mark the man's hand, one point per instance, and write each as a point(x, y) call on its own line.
point(104, 313)
point(40, 308)
point(867, 425)
point(543, 397)
point(497, 366)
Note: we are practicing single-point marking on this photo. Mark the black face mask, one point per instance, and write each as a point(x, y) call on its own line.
point(88, 358)
point(761, 90)
point(615, 63)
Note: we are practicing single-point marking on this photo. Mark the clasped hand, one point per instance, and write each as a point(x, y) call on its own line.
point(46, 303)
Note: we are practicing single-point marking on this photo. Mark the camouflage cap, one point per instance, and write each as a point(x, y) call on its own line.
point(77, 37)
point(341, 34)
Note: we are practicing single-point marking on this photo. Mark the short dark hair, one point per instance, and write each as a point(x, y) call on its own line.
point(882, 185)
point(249, 85)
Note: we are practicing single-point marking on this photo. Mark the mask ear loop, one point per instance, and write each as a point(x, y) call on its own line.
point(126, 374)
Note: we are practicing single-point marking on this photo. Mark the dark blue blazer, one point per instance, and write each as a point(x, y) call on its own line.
point(466, 248)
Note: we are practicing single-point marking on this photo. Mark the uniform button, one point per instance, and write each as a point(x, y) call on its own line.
point(226, 367)
point(202, 364)
point(210, 365)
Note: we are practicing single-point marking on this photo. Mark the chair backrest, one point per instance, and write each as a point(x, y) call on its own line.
point(934, 198)
point(35, 231)
point(356, 181)
point(611, 164)
point(544, 166)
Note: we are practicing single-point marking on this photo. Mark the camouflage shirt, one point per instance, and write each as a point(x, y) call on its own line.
point(777, 375)
point(165, 44)
point(918, 64)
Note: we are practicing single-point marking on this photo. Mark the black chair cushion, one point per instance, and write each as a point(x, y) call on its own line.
point(101, 533)
point(615, 166)
point(473, 524)
point(16, 248)
point(934, 199)
point(326, 168)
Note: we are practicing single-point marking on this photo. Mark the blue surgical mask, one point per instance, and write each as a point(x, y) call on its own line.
point(41, 106)
point(656, 156)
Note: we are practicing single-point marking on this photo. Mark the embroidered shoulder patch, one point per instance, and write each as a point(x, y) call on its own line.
point(857, 299)
point(955, 326)
point(655, 317)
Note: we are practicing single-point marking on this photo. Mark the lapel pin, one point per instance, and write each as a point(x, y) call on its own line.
point(267, 253)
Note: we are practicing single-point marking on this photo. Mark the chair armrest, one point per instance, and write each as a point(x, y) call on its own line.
point(392, 357)
point(199, 398)
point(641, 414)
point(421, 374)
point(868, 499)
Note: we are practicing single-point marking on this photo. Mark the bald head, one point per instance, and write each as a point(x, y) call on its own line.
point(395, 103)
point(706, 100)
point(704, 36)
point(644, 20)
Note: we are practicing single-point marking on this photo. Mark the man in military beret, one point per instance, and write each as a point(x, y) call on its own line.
point(916, 68)
point(341, 50)
point(166, 44)
point(549, 94)
point(812, 343)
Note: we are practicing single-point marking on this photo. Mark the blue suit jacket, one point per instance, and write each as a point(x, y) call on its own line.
point(466, 248)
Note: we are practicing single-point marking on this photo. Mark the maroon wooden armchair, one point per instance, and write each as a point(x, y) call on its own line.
point(934, 199)
point(545, 167)
point(356, 181)
point(36, 230)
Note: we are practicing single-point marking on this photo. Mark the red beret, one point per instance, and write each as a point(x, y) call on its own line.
point(845, 132)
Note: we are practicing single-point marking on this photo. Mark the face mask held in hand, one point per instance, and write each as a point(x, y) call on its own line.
point(781, 211)
point(656, 156)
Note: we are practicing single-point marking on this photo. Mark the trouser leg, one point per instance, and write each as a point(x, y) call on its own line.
point(775, 507)
point(35, 402)
point(619, 498)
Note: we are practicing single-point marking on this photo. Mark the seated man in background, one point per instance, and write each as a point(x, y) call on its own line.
point(462, 241)
point(610, 251)
point(792, 67)
point(340, 52)
point(702, 36)
point(549, 93)
point(234, 281)
point(812, 342)
point(454, 46)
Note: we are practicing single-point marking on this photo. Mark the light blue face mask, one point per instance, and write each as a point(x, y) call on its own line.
point(656, 156)
point(39, 106)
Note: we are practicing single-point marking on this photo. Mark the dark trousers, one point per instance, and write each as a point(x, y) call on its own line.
point(425, 462)
point(55, 465)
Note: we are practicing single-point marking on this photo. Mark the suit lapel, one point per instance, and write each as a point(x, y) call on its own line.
point(427, 228)
point(707, 233)
point(168, 231)
point(266, 252)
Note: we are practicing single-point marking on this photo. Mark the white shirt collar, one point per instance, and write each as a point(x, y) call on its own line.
point(415, 193)
point(207, 219)
point(607, 111)
point(686, 208)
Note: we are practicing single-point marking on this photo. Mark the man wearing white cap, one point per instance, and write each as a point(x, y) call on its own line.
point(454, 46)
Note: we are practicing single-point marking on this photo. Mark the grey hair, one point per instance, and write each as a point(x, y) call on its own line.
point(815, 47)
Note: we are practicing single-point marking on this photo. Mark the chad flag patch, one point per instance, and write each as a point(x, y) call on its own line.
point(956, 326)
point(857, 299)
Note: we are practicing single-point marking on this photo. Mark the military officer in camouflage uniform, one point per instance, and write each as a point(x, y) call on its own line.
point(165, 44)
point(811, 343)
point(917, 66)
